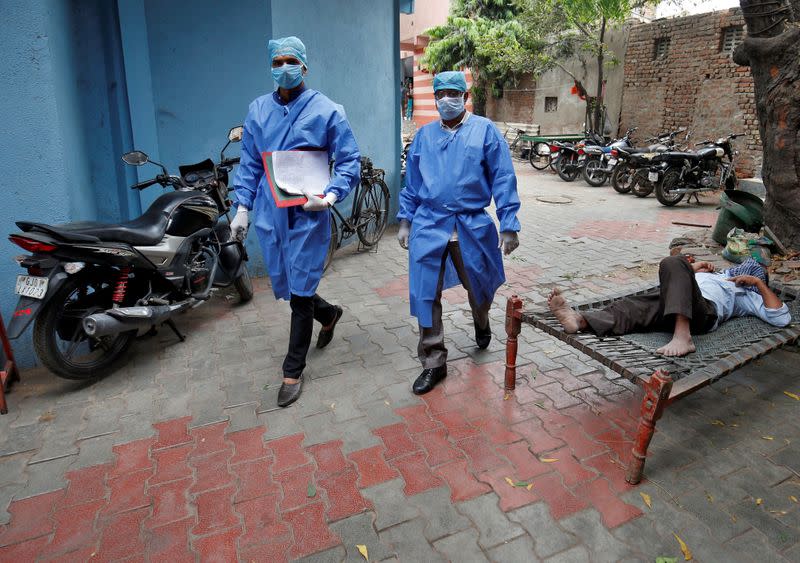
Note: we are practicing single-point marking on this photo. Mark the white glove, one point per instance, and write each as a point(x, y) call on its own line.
point(315, 203)
point(509, 241)
point(404, 233)
point(239, 224)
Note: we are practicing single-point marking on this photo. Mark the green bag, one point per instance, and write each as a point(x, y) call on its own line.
point(742, 245)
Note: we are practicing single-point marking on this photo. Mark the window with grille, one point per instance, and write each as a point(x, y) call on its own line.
point(550, 104)
point(731, 37)
point(661, 48)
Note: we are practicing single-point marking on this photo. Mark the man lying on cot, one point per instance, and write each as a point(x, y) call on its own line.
point(691, 299)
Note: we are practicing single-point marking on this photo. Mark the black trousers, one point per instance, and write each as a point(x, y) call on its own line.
point(678, 294)
point(305, 310)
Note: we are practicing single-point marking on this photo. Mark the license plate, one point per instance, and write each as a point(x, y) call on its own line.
point(612, 161)
point(581, 158)
point(652, 176)
point(31, 286)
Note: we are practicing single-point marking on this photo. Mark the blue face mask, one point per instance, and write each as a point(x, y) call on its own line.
point(288, 76)
point(450, 108)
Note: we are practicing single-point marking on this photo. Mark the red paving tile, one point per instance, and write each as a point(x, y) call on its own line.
point(24, 551)
point(417, 419)
point(329, 458)
point(171, 464)
point(396, 439)
point(311, 532)
point(170, 503)
point(344, 498)
point(248, 444)
point(537, 437)
point(128, 492)
point(74, 527)
point(497, 431)
point(254, 479)
point(437, 447)
point(170, 543)
point(415, 473)
point(480, 454)
point(210, 472)
point(612, 470)
point(526, 464)
point(294, 485)
point(579, 443)
point(511, 496)
point(371, 466)
point(209, 439)
point(274, 552)
point(131, 457)
point(172, 433)
point(614, 511)
point(215, 511)
point(84, 485)
point(261, 520)
point(122, 536)
point(456, 424)
point(463, 484)
point(288, 452)
point(219, 547)
point(617, 441)
point(571, 471)
point(559, 499)
point(30, 518)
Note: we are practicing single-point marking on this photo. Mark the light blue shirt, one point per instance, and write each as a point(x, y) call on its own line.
point(732, 301)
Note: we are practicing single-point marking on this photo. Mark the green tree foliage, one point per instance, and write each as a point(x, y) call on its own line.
point(487, 37)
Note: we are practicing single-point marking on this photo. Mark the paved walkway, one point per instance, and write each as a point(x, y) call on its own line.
point(183, 454)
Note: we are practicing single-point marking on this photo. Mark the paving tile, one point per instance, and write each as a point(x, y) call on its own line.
point(415, 472)
point(344, 498)
point(462, 483)
point(602, 545)
point(396, 440)
point(371, 466)
point(439, 514)
point(548, 536)
point(492, 524)
point(261, 520)
point(254, 479)
point(404, 539)
point(518, 549)
point(311, 533)
point(30, 518)
point(390, 504)
point(122, 536)
point(74, 528)
point(463, 547)
point(358, 530)
point(220, 546)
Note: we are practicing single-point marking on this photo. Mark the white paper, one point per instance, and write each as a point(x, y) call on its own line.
point(297, 172)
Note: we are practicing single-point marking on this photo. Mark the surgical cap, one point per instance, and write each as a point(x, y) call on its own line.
point(450, 80)
point(288, 46)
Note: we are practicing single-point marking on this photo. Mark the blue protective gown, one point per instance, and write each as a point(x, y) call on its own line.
point(451, 177)
point(294, 241)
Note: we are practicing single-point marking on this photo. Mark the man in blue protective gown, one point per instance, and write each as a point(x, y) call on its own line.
point(455, 167)
point(294, 240)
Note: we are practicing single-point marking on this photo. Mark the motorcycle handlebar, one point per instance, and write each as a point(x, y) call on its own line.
point(146, 184)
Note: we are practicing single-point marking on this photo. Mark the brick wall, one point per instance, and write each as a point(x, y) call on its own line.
point(694, 85)
point(424, 105)
point(516, 105)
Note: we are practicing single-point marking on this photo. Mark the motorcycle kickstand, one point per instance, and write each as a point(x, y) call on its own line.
point(171, 324)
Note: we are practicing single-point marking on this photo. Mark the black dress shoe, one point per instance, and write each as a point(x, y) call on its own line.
point(326, 335)
point(483, 336)
point(428, 379)
point(289, 393)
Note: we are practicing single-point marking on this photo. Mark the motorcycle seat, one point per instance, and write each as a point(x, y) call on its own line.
point(146, 230)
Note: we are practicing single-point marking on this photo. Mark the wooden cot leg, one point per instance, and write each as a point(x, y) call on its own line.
point(513, 328)
point(656, 394)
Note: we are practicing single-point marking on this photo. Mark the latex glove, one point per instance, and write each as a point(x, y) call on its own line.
point(239, 224)
point(509, 241)
point(404, 233)
point(315, 203)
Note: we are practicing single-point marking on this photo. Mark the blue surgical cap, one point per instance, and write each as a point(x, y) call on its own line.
point(450, 80)
point(291, 46)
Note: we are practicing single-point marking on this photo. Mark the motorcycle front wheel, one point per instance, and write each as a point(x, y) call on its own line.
point(60, 341)
point(567, 168)
point(622, 178)
point(593, 173)
point(665, 189)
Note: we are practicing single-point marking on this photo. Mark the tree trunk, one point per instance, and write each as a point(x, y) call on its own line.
point(772, 51)
point(598, 101)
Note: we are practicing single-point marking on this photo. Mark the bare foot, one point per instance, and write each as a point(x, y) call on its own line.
point(569, 319)
point(678, 346)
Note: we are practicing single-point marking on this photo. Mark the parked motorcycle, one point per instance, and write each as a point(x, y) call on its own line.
point(91, 287)
point(566, 159)
point(705, 170)
point(631, 171)
point(601, 160)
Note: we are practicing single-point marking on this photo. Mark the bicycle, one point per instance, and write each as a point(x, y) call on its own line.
point(519, 148)
point(369, 213)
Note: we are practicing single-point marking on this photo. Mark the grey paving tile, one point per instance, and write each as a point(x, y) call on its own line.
point(359, 530)
point(390, 506)
point(548, 536)
point(405, 540)
point(462, 547)
point(440, 516)
point(492, 524)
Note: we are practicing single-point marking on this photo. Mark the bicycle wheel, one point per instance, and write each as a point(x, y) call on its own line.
point(373, 212)
point(540, 156)
point(333, 244)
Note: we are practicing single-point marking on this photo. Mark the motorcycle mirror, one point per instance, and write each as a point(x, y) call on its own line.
point(135, 158)
point(235, 134)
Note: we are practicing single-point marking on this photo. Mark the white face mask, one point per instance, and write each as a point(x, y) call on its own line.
point(450, 108)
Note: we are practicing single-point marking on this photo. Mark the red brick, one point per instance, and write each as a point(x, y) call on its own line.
point(497, 431)
point(537, 437)
point(131, 457)
point(614, 511)
point(311, 532)
point(438, 448)
point(210, 439)
point(463, 484)
point(211, 471)
point(215, 511)
point(417, 419)
point(219, 547)
point(456, 424)
point(261, 520)
point(416, 473)
point(248, 444)
point(75, 527)
point(276, 551)
point(480, 453)
point(171, 464)
point(344, 498)
point(24, 551)
point(122, 536)
point(288, 452)
point(170, 503)
point(128, 492)
point(294, 485)
point(559, 499)
point(396, 440)
point(371, 466)
point(30, 518)
point(254, 479)
point(330, 460)
point(511, 497)
point(170, 543)
point(172, 433)
point(85, 485)
point(526, 464)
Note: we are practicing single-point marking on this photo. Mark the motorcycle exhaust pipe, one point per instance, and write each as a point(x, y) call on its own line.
point(125, 319)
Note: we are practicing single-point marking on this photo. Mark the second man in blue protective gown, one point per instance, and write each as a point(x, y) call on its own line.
point(294, 240)
point(455, 168)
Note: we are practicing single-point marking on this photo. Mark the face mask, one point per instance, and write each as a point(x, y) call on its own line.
point(288, 76)
point(450, 108)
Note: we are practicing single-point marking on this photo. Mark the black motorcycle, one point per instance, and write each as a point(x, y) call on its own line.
point(568, 158)
point(705, 170)
point(631, 171)
point(602, 159)
point(91, 287)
